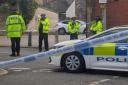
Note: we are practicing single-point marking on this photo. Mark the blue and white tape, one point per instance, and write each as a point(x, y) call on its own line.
point(25, 31)
point(77, 46)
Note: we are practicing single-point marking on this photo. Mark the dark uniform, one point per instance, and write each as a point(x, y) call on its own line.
point(43, 27)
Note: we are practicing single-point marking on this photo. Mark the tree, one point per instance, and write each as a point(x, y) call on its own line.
point(27, 9)
point(89, 15)
point(3, 1)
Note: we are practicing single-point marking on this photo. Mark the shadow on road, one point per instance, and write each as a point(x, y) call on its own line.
point(97, 72)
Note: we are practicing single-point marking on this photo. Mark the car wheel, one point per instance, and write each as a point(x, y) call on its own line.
point(61, 31)
point(73, 62)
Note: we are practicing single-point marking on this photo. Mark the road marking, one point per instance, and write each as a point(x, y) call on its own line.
point(3, 72)
point(46, 69)
point(116, 77)
point(34, 71)
point(101, 81)
point(43, 70)
point(20, 68)
point(104, 80)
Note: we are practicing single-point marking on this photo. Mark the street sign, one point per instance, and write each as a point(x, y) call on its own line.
point(102, 1)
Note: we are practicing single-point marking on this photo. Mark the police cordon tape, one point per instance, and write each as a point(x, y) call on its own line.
point(25, 31)
point(66, 49)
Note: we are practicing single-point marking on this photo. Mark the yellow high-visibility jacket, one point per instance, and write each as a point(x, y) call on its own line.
point(73, 28)
point(96, 26)
point(15, 26)
point(45, 24)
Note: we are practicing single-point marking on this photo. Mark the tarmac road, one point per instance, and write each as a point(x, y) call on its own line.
point(41, 73)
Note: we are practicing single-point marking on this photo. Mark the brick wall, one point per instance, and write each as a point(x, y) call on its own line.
point(117, 12)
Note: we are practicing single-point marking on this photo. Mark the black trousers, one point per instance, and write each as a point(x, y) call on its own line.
point(43, 36)
point(15, 45)
point(73, 36)
point(93, 32)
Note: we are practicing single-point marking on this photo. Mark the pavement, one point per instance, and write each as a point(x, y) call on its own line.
point(3, 72)
point(4, 41)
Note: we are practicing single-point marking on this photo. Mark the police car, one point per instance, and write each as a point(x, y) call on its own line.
point(108, 56)
point(62, 27)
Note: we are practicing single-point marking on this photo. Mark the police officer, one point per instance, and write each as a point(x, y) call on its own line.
point(96, 26)
point(15, 26)
point(43, 28)
point(73, 28)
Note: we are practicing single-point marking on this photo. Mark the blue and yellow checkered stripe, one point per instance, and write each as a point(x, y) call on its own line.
point(109, 49)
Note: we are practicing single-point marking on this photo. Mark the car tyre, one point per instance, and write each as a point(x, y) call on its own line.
point(73, 62)
point(61, 31)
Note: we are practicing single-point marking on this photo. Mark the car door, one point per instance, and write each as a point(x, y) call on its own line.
point(121, 55)
point(110, 56)
point(103, 55)
point(65, 25)
point(82, 26)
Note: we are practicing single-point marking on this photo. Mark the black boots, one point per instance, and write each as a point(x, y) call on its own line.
point(18, 53)
point(13, 54)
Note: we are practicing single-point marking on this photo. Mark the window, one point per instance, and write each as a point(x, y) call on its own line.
point(112, 32)
point(65, 22)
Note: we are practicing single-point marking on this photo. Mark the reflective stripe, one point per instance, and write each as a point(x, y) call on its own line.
point(15, 31)
point(91, 50)
point(73, 28)
point(45, 25)
point(109, 49)
point(87, 51)
point(14, 24)
point(105, 49)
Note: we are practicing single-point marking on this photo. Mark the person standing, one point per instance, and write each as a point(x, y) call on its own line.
point(43, 28)
point(15, 26)
point(73, 28)
point(96, 26)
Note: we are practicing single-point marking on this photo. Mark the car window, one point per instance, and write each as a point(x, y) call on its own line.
point(105, 33)
point(111, 32)
point(79, 22)
point(65, 22)
point(122, 41)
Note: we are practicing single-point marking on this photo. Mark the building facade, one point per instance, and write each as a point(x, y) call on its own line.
point(61, 6)
point(117, 12)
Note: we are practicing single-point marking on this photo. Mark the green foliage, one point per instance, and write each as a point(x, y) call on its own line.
point(27, 9)
point(3, 14)
point(3, 8)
